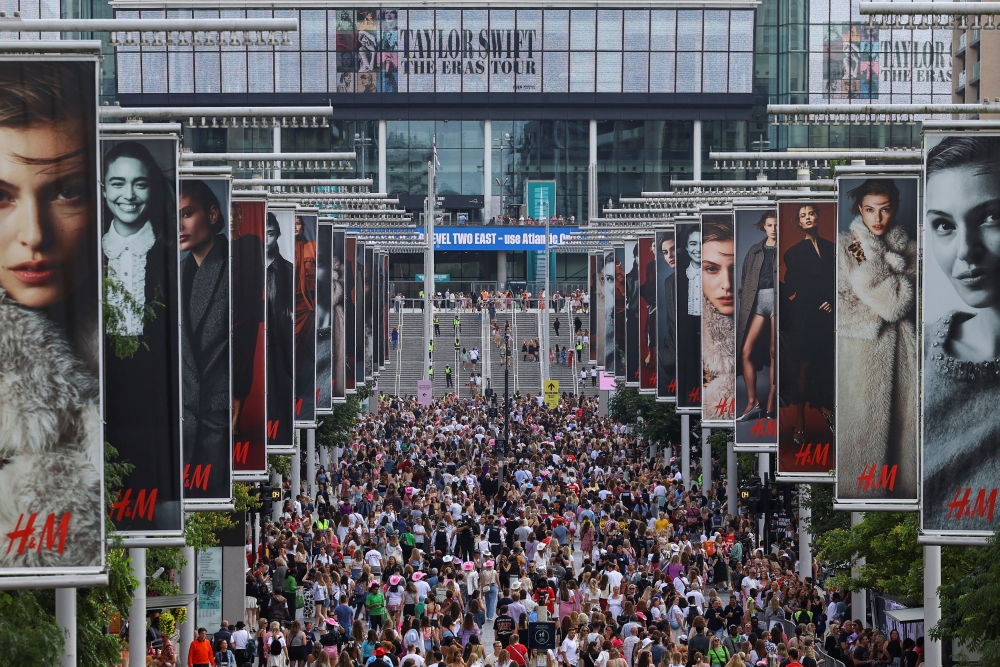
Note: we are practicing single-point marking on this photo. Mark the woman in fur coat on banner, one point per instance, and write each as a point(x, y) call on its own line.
point(877, 343)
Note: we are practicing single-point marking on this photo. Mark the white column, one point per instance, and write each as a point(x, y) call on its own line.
point(805, 548)
point(732, 480)
point(859, 604)
point(501, 268)
point(276, 140)
point(593, 142)
point(802, 174)
point(297, 466)
point(932, 604)
point(686, 451)
point(311, 461)
point(763, 466)
point(706, 460)
point(137, 614)
point(488, 170)
point(276, 505)
point(188, 587)
point(324, 459)
point(696, 150)
point(66, 619)
point(383, 161)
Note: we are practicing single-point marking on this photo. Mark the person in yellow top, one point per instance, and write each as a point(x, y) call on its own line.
point(661, 524)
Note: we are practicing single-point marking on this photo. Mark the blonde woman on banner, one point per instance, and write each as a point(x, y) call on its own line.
point(962, 347)
point(877, 343)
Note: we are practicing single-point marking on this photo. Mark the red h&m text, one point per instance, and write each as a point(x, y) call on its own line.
point(51, 536)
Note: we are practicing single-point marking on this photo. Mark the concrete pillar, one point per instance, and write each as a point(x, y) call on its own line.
point(706, 460)
point(802, 174)
point(764, 467)
point(324, 458)
point(66, 618)
point(383, 162)
point(187, 582)
point(137, 614)
point(488, 211)
point(859, 600)
point(593, 142)
point(311, 461)
point(732, 479)
point(696, 150)
point(297, 465)
point(501, 268)
point(933, 655)
point(686, 451)
point(805, 548)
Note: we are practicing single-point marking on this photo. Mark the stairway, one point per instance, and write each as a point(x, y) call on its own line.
point(529, 373)
point(568, 376)
point(411, 353)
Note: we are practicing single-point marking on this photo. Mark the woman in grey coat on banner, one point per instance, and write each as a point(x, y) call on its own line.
point(758, 283)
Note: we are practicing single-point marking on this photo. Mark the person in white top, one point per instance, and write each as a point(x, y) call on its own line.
point(374, 560)
point(569, 648)
point(614, 576)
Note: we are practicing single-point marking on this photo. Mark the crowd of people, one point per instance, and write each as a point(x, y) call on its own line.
point(429, 545)
point(576, 301)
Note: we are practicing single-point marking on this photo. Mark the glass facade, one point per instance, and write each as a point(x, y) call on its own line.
point(383, 50)
point(410, 146)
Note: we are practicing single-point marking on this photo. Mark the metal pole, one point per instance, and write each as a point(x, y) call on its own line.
point(706, 460)
point(429, 268)
point(859, 606)
point(732, 479)
point(686, 451)
point(933, 654)
point(276, 505)
point(805, 548)
point(188, 587)
point(137, 614)
point(297, 466)
point(311, 461)
point(66, 619)
point(546, 371)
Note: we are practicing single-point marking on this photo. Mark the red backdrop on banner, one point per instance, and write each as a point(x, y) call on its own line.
point(250, 439)
point(814, 451)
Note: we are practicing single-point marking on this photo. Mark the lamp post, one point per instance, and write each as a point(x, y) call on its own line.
point(503, 180)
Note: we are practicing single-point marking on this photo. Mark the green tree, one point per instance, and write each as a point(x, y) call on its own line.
point(649, 420)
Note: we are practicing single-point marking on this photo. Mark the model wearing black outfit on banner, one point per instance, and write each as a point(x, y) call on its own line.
point(280, 333)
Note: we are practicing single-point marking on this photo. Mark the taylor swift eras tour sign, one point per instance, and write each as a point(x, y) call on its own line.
point(756, 328)
point(718, 336)
point(249, 289)
point(689, 371)
point(205, 338)
point(666, 315)
point(280, 261)
point(142, 369)
point(807, 288)
point(305, 319)
point(877, 400)
point(50, 318)
point(961, 372)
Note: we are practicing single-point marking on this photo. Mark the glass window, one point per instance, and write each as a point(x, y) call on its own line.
point(449, 134)
point(661, 72)
point(635, 72)
point(286, 72)
point(555, 65)
point(609, 71)
point(581, 72)
point(181, 72)
point(583, 26)
point(716, 74)
point(421, 134)
point(741, 30)
point(314, 79)
point(636, 29)
point(689, 72)
point(472, 135)
point(716, 30)
point(609, 29)
point(689, 27)
point(663, 30)
point(154, 64)
point(556, 30)
point(741, 72)
point(206, 68)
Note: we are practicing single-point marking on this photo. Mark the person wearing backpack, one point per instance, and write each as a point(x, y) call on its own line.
point(276, 649)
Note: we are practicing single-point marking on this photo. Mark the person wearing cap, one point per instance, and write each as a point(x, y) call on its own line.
point(239, 642)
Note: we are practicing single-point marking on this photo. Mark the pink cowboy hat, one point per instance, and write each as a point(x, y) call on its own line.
point(468, 566)
point(395, 579)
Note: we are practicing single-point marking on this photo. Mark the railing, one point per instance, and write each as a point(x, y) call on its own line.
point(975, 73)
point(961, 81)
point(960, 47)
